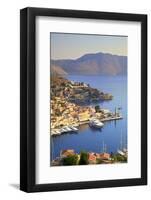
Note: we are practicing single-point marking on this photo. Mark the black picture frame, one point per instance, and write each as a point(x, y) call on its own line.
point(28, 99)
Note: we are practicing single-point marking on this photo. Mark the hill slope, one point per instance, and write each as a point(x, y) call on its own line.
point(99, 63)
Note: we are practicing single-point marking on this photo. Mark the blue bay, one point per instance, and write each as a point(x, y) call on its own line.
point(112, 133)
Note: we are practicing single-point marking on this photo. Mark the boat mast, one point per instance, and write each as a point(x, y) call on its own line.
point(121, 142)
point(115, 111)
point(125, 142)
point(104, 149)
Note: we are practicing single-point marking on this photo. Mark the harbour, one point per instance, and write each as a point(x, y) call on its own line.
point(89, 138)
point(92, 122)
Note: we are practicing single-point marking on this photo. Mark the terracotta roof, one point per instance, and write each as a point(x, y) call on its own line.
point(104, 155)
point(92, 157)
point(67, 152)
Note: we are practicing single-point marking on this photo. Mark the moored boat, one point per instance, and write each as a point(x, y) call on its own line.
point(63, 130)
point(67, 129)
point(58, 132)
point(74, 128)
point(120, 152)
point(96, 123)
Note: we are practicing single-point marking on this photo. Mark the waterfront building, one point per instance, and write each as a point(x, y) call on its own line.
point(84, 116)
point(66, 153)
point(92, 158)
point(105, 156)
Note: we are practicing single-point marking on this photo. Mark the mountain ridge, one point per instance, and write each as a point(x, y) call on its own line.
point(92, 63)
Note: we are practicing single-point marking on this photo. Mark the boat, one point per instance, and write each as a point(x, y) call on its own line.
point(120, 152)
point(53, 132)
point(99, 125)
point(124, 150)
point(67, 129)
point(96, 123)
point(74, 128)
point(58, 132)
point(63, 130)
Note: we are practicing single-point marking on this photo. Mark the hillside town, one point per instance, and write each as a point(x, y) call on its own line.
point(76, 92)
point(71, 106)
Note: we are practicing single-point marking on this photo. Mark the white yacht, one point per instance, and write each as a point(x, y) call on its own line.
point(120, 152)
point(96, 123)
point(74, 128)
point(67, 128)
point(53, 132)
point(63, 130)
point(124, 150)
point(58, 132)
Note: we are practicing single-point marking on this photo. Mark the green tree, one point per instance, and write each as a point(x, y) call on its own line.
point(119, 158)
point(83, 158)
point(99, 161)
point(70, 160)
point(97, 108)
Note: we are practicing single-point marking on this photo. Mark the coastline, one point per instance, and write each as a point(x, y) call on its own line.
point(66, 109)
point(71, 139)
point(59, 132)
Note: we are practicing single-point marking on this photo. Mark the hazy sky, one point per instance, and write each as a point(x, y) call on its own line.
point(71, 46)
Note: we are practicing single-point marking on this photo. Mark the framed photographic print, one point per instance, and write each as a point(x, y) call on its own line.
point(83, 99)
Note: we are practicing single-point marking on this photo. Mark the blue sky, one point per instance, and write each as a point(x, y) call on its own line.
point(72, 46)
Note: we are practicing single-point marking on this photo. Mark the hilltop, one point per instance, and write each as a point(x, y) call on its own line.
point(94, 64)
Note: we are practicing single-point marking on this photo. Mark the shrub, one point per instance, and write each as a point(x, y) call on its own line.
point(83, 158)
point(97, 108)
point(70, 160)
